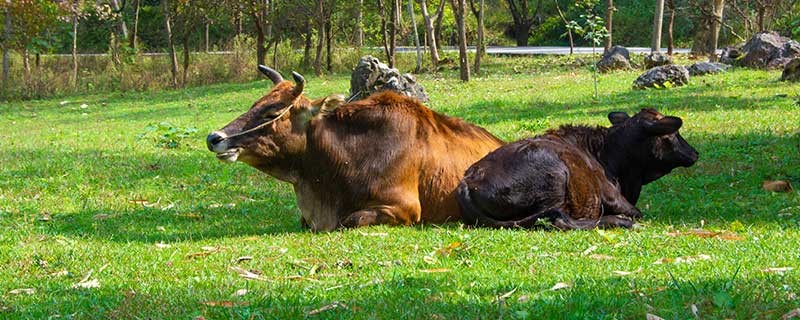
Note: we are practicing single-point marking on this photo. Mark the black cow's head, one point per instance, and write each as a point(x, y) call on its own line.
point(272, 133)
point(650, 140)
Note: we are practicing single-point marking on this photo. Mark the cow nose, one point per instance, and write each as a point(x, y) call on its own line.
point(214, 138)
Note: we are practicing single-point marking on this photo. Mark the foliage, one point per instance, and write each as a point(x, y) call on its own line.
point(166, 135)
point(167, 232)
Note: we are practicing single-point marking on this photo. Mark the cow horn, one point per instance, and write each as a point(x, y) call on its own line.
point(299, 81)
point(270, 73)
point(665, 125)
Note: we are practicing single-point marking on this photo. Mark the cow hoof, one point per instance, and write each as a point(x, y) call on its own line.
point(634, 214)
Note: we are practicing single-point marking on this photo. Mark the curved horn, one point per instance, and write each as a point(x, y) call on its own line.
point(270, 73)
point(299, 81)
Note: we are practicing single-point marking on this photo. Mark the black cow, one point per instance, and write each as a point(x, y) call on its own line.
point(576, 177)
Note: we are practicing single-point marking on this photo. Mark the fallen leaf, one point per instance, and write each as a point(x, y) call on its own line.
point(601, 257)
point(777, 270)
point(687, 259)
point(59, 273)
point(694, 310)
point(777, 186)
point(240, 292)
point(626, 273)
point(247, 274)
point(84, 106)
point(437, 270)
point(589, 250)
point(87, 284)
point(243, 259)
point(374, 234)
point(506, 295)
point(191, 216)
point(560, 285)
point(206, 252)
point(449, 248)
point(429, 259)
point(101, 216)
point(45, 217)
point(162, 245)
point(331, 306)
point(27, 291)
point(225, 304)
point(653, 317)
point(791, 314)
point(702, 233)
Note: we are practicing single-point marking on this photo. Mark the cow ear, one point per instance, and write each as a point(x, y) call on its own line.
point(665, 125)
point(328, 104)
point(617, 117)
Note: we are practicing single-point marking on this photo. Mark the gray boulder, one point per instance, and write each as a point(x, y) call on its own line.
point(765, 50)
point(791, 72)
point(617, 58)
point(657, 77)
point(370, 76)
point(656, 59)
point(704, 68)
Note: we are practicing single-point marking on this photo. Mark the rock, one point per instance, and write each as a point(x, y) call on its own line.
point(370, 76)
point(656, 59)
point(704, 68)
point(791, 72)
point(657, 77)
point(765, 50)
point(616, 58)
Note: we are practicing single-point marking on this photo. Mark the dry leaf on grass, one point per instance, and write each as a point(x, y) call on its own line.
point(589, 250)
point(626, 273)
point(23, 291)
point(45, 217)
point(331, 306)
point(225, 304)
point(702, 233)
point(777, 186)
point(449, 248)
point(653, 317)
point(437, 270)
point(240, 292)
point(243, 259)
point(206, 251)
point(695, 311)
point(59, 273)
point(601, 257)
point(505, 296)
point(777, 270)
point(162, 245)
point(687, 259)
point(247, 274)
point(791, 314)
point(374, 234)
point(87, 284)
point(560, 285)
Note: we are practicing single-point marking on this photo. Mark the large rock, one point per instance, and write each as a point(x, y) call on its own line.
point(617, 58)
point(792, 71)
point(370, 76)
point(704, 68)
point(658, 77)
point(765, 50)
point(656, 59)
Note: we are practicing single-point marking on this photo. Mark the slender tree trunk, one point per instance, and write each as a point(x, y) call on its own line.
point(132, 40)
point(121, 19)
point(359, 32)
point(609, 24)
point(37, 61)
point(328, 45)
point(569, 31)
point(74, 78)
point(430, 35)
point(393, 28)
point(185, 42)
point(416, 35)
point(438, 25)
point(207, 36)
point(261, 51)
point(706, 37)
point(320, 36)
point(657, 21)
point(309, 43)
point(459, 8)
point(170, 44)
point(26, 66)
point(275, 53)
point(719, 6)
point(670, 24)
point(480, 49)
point(384, 30)
point(6, 35)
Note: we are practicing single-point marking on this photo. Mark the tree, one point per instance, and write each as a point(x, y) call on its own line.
point(76, 10)
point(569, 30)
point(523, 19)
point(657, 22)
point(416, 35)
point(358, 37)
point(480, 49)
point(670, 24)
point(389, 28)
point(170, 44)
point(459, 11)
point(132, 41)
point(430, 31)
point(591, 29)
point(6, 38)
point(708, 25)
point(609, 23)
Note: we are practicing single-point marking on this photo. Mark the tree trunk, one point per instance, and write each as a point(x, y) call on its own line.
point(170, 44)
point(670, 39)
point(522, 22)
point(609, 24)
point(393, 28)
point(309, 43)
point(480, 48)
point(430, 34)
point(438, 25)
point(26, 66)
point(185, 42)
point(121, 19)
point(207, 36)
point(719, 6)
point(358, 37)
point(416, 35)
point(7, 35)
point(320, 37)
point(328, 45)
point(569, 31)
point(275, 53)
point(132, 40)
point(459, 8)
point(707, 33)
point(261, 51)
point(74, 78)
point(657, 21)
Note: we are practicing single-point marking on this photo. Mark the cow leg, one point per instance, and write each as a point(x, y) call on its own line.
point(614, 203)
point(383, 214)
point(563, 221)
point(617, 221)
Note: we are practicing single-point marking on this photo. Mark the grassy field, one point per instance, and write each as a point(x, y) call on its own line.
point(97, 220)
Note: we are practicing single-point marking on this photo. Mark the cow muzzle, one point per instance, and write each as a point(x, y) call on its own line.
point(217, 142)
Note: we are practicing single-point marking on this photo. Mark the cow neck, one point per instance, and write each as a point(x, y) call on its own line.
point(620, 165)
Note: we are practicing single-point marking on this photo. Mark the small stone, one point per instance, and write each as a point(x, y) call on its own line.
point(616, 58)
point(656, 59)
point(370, 76)
point(658, 77)
point(704, 68)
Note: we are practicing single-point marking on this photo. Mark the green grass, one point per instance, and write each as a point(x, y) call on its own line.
point(112, 197)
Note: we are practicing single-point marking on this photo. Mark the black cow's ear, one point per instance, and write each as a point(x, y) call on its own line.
point(666, 125)
point(617, 117)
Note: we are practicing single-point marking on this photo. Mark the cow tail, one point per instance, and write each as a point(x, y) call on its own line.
point(475, 216)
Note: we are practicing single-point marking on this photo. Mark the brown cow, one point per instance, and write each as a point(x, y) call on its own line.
point(387, 159)
point(576, 177)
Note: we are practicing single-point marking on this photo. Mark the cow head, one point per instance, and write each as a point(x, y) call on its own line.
point(272, 134)
point(651, 141)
